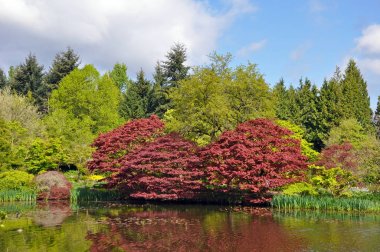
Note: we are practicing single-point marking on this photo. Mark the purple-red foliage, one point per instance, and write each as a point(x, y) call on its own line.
point(111, 147)
point(255, 157)
point(161, 169)
point(342, 155)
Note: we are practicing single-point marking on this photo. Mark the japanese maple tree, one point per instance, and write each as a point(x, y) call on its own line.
point(111, 147)
point(161, 169)
point(254, 158)
point(339, 155)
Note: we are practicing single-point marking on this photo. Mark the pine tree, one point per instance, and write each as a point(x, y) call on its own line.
point(174, 68)
point(28, 78)
point(331, 110)
point(356, 103)
point(376, 118)
point(63, 64)
point(136, 101)
point(3, 79)
point(282, 101)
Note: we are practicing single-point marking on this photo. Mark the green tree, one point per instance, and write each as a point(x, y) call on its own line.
point(331, 109)
point(136, 99)
point(28, 79)
point(174, 66)
point(158, 96)
point(356, 103)
point(377, 118)
point(3, 79)
point(282, 101)
point(63, 63)
point(86, 95)
point(119, 76)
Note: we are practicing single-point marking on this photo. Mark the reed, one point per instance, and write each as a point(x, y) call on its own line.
point(18, 195)
point(85, 194)
point(325, 203)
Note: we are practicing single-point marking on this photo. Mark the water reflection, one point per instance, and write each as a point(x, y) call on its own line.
point(115, 227)
point(194, 229)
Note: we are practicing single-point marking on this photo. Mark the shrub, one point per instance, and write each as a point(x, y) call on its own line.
point(254, 158)
point(16, 180)
point(112, 147)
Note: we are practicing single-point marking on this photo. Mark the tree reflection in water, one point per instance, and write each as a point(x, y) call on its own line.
point(192, 230)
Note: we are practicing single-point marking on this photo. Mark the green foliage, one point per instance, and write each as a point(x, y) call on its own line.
point(299, 133)
point(119, 76)
point(44, 155)
point(300, 188)
point(82, 94)
point(3, 79)
point(355, 99)
point(16, 180)
point(28, 79)
point(324, 203)
point(217, 98)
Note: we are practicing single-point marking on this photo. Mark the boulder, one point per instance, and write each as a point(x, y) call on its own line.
point(52, 185)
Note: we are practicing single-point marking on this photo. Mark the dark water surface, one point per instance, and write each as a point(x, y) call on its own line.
point(117, 227)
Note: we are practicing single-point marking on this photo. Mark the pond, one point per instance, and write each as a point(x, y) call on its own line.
point(169, 227)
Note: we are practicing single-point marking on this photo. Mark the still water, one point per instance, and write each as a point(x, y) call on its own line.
point(131, 227)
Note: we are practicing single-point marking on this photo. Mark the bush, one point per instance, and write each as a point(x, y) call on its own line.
point(16, 180)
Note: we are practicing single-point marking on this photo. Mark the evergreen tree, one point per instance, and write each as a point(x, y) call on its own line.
point(174, 68)
point(281, 96)
point(136, 98)
point(376, 118)
point(28, 78)
point(331, 110)
point(356, 103)
point(63, 64)
point(308, 113)
point(158, 97)
point(3, 79)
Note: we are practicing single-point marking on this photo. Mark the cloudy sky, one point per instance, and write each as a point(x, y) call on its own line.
point(289, 39)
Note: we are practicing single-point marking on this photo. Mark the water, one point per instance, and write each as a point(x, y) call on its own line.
point(117, 227)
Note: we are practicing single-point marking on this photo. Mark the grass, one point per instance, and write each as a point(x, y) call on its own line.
point(18, 195)
point(326, 203)
point(86, 194)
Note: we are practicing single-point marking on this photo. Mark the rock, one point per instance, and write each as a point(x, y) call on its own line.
point(52, 185)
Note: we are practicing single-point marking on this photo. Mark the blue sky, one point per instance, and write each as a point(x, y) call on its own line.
point(289, 39)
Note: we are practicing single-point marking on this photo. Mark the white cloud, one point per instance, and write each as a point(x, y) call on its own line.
point(253, 47)
point(137, 32)
point(371, 64)
point(369, 42)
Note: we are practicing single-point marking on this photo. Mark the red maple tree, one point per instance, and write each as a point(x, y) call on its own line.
point(255, 157)
point(111, 147)
point(161, 169)
point(342, 155)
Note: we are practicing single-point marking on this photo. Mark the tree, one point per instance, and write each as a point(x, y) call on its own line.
point(216, 98)
point(28, 80)
point(160, 169)
point(282, 101)
point(63, 63)
point(174, 67)
point(119, 76)
point(111, 147)
point(356, 103)
point(3, 79)
point(377, 118)
point(136, 99)
point(158, 97)
point(82, 94)
point(254, 158)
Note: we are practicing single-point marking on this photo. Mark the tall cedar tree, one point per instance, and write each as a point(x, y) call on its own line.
point(356, 103)
point(161, 169)
point(136, 98)
point(3, 79)
point(167, 75)
point(254, 158)
point(331, 111)
point(111, 147)
point(63, 63)
point(377, 118)
point(28, 78)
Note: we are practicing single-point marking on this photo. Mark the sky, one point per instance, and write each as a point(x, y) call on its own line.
point(286, 39)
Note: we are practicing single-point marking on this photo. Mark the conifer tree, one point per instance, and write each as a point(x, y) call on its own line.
point(28, 79)
point(283, 101)
point(174, 65)
point(356, 103)
point(376, 118)
point(3, 79)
